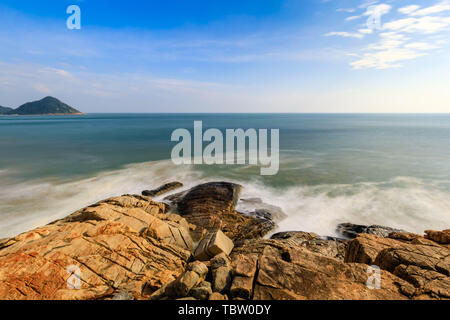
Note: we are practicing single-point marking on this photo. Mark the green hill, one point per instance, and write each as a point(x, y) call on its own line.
point(48, 105)
point(4, 110)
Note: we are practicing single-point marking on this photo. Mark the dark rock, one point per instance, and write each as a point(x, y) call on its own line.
point(222, 197)
point(211, 207)
point(351, 230)
point(162, 189)
point(255, 207)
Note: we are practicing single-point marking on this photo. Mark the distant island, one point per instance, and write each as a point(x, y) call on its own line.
point(46, 106)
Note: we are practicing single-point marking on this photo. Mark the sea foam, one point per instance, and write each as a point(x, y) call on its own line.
point(403, 202)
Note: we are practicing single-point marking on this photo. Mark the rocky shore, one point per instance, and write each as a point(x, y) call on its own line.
point(195, 245)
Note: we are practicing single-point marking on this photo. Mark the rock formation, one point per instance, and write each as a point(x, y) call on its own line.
point(131, 247)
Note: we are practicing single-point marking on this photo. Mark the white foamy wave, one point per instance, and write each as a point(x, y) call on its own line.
point(406, 203)
point(402, 203)
point(28, 205)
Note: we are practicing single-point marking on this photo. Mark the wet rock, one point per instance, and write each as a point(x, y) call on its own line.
point(350, 230)
point(221, 196)
point(255, 207)
point(162, 189)
point(211, 207)
point(213, 244)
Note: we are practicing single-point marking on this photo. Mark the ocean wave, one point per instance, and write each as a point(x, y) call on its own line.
point(402, 202)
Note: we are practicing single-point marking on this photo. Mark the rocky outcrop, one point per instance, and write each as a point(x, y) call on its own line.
point(109, 242)
point(211, 207)
point(131, 247)
point(285, 270)
point(420, 261)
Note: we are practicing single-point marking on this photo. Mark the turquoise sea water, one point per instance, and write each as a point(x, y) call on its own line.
point(376, 169)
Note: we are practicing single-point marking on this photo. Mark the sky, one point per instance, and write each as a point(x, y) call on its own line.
point(310, 56)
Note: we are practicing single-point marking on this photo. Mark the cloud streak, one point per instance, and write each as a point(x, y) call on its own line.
point(401, 38)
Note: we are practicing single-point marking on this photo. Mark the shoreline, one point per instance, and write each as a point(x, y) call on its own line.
point(202, 248)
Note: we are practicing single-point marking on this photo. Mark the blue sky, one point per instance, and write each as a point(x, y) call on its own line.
point(229, 56)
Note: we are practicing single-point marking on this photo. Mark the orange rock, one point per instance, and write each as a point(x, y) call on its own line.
point(103, 241)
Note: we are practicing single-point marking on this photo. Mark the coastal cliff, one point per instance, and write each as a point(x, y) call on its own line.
point(195, 245)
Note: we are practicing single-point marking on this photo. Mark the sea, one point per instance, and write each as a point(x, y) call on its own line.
point(386, 169)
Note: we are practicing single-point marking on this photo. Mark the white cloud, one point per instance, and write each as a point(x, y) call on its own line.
point(344, 34)
point(365, 31)
point(351, 18)
point(378, 10)
point(420, 46)
point(427, 24)
point(408, 9)
point(387, 58)
point(401, 38)
point(439, 7)
point(349, 10)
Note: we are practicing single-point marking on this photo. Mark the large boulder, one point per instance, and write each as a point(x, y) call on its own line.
point(213, 244)
point(211, 207)
point(221, 196)
point(102, 242)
